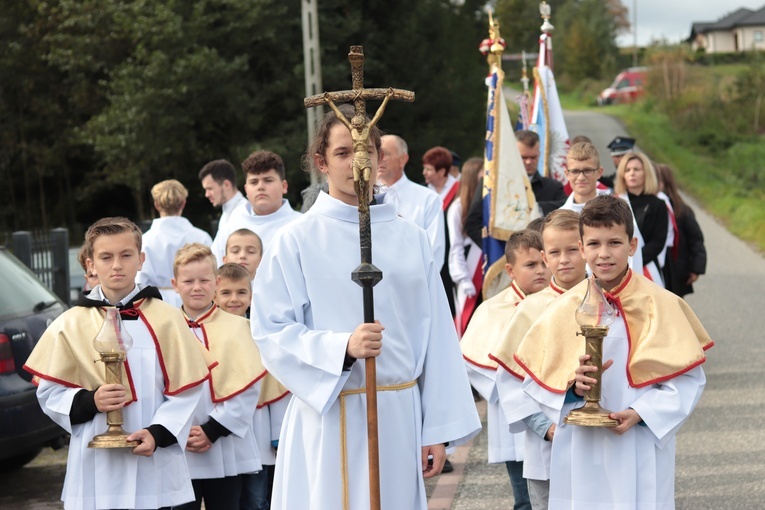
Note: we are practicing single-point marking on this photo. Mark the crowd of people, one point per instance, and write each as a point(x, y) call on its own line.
point(245, 384)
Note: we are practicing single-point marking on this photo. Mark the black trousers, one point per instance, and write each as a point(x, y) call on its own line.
point(217, 493)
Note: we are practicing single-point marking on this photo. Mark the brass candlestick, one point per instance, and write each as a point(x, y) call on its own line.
point(594, 316)
point(112, 343)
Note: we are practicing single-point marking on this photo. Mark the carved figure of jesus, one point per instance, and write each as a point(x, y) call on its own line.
point(362, 165)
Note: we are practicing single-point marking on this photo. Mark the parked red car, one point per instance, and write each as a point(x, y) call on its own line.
point(626, 88)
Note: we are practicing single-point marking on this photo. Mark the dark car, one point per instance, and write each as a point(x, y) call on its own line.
point(27, 308)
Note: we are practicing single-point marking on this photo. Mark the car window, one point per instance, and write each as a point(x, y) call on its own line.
point(21, 290)
point(623, 84)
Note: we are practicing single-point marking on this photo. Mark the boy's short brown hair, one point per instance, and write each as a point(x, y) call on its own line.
point(82, 257)
point(535, 224)
point(607, 211)
point(233, 272)
point(522, 240)
point(260, 162)
point(583, 151)
point(562, 219)
point(109, 227)
point(193, 252)
point(245, 232)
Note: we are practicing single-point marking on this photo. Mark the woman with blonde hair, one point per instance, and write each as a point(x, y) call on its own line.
point(636, 182)
point(465, 257)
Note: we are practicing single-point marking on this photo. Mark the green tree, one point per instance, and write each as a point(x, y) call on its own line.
point(584, 37)
point(100, 99)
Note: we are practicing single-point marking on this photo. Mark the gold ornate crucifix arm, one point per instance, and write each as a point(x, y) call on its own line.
point(349, 96)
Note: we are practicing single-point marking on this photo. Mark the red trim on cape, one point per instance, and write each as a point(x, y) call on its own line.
point(161, 360)
point(129, 376)
point(248, 386)
point(206, 342)
point(536, 379)
point(274, 400)
point(205, 315)
point(616, 300)
point(518, 292)
point(491, 356)
point(478, 364)
point(557, 288)
point(49, 378)
point(667, 377)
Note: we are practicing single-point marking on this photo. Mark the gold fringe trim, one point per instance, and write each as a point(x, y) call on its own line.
point(343, 431)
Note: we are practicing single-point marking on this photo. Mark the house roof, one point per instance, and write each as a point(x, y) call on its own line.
point(738, 18)
point(757, 18)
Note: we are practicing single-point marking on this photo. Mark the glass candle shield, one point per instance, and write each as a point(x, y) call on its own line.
point(113, 343)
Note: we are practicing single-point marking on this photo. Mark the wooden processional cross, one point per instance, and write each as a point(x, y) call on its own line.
point(366, 275)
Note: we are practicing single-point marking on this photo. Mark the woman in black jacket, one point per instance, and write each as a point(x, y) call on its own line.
point(636, 181)
point(689, 260)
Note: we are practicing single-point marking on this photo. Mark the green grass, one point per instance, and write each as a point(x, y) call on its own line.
point(740, 209)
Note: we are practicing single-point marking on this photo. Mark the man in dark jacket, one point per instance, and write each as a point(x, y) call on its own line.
point(548, 192)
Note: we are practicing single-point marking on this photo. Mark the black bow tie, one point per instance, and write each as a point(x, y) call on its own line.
point(127, 310)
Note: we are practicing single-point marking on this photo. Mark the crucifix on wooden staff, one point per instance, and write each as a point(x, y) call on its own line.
point(366, 274)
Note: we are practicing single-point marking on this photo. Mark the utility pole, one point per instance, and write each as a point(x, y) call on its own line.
point(634, 34)
point(312, 64)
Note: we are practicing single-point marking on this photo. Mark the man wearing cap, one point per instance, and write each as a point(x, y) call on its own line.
point(619, 146)
point(454, 171)
point(415, 202)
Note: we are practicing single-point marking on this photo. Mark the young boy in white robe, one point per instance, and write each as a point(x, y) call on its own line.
point(162, 381)
point(652, 376)
point(560, 240)
point(524, 265)
point(167, 235)
point(221, 444)
point(244, 248)
point(266, 210)
point(234, 295)
point(309, 326)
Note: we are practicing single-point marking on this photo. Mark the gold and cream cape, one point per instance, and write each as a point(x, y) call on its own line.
point(665, 337)
point(65, 352)
point(512, 334)
point(271, 391)
point(228, 339)
point(487, 323)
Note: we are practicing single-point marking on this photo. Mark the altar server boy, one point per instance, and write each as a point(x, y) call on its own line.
point(162, 382)
point(652, 376)
point(221, 444)
point(234, 295)
point(307, 320)
point(560, 242)
point(523, 254)
point(167, 235)
point(266, 210)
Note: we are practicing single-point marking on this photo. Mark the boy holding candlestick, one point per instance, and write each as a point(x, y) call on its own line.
point(654, 350)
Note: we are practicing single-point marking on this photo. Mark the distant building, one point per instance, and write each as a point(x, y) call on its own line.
point(742, 30)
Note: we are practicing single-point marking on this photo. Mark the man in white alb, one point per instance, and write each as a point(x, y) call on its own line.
point(415, 202)
point(219, 182)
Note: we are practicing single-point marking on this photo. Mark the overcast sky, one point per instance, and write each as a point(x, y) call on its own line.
point(672, 19)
